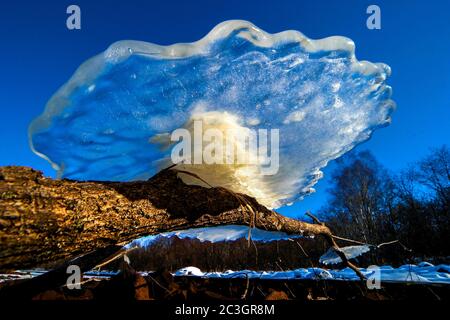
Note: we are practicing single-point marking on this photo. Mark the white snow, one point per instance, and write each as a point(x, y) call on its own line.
point(216, 234)
point(331, 257)
point(189, 271)
point(424, 273)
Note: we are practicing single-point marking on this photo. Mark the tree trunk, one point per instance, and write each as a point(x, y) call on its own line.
point(44, 220)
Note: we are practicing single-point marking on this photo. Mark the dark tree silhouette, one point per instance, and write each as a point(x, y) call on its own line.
point(372, 205)
point(362, 197)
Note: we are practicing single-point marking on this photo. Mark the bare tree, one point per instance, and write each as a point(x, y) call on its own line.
point(362, 196)
point(434, 173)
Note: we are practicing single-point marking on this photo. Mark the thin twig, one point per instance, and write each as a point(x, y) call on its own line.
point(246, 207)
point(160, 285)
point(193, 175)
point(246, 288)
point(115, 257)
point(336, 248)
point(314, 218)
point(350, 240)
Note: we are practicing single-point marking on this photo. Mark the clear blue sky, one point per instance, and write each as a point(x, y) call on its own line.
point(38, 54)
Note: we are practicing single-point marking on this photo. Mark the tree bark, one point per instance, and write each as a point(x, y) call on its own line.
point(44, 220)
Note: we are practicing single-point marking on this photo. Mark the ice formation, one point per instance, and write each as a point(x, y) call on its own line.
point(216, 234)
point(108, 122)
point(331, 257)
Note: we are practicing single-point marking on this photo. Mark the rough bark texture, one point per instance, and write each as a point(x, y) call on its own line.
point(44, 220)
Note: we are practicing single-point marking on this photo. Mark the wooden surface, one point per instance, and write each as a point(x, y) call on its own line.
point(44, 220)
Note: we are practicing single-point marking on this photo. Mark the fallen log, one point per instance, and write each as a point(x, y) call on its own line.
point(28, 288)
point(44, 220)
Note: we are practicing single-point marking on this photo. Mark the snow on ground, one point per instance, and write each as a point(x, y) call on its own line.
point(189, 271)
point(423, 273)
point(216, 234)
point(28, 274)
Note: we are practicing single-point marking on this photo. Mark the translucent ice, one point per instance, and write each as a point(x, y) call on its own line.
point(103, 124)
point(331, 257)
point(216, 234)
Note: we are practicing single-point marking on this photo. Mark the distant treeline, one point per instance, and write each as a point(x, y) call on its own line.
point(174, 253)
point(366, 203)
point(371, 204)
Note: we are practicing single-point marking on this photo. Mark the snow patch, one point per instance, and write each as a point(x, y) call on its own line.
point(331, 257)
point(216, 234)
point(189, 271)
point(427, 273)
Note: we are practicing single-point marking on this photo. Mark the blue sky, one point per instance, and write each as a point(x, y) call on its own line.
point(38, 54)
